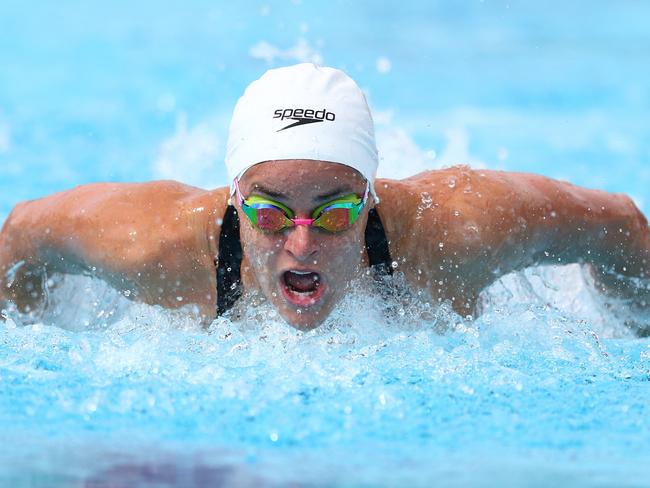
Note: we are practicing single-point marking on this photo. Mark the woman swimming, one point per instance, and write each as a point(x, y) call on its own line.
point(305, 215)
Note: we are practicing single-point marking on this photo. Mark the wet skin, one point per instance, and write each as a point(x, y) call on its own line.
point(452, 233)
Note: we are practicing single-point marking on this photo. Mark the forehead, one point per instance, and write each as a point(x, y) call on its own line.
point(302, 174)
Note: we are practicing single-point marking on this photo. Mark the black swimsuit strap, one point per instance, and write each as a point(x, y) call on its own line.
point(377, 245)
point(228, 263)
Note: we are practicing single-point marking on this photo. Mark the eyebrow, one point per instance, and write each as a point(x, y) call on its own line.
point(343, 190)
point(268, 192)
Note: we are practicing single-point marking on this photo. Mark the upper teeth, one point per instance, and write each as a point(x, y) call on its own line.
point(301, 272)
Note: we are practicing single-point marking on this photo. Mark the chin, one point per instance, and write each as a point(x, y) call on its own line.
point(307, 320)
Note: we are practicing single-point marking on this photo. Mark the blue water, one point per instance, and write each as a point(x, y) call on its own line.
point(547, 387)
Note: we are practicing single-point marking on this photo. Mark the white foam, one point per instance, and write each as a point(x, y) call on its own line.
point(366, 311)
point(190, 155)
point(400, 156)
point(301, 52)
point(567, 289)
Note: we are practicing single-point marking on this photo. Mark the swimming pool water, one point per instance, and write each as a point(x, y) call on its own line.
point(547, 387)
point(388, 392)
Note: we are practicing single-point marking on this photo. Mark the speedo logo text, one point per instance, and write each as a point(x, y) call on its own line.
point(303, 116)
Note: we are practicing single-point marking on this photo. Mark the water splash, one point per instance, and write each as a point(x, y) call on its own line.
point(386, 373)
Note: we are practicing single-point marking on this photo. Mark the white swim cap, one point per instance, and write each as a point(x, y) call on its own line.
point(302, 112)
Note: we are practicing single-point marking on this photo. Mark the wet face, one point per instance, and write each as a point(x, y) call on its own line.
point(304, 271)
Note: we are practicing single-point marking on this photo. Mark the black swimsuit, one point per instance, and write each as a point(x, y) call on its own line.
point(228, 263)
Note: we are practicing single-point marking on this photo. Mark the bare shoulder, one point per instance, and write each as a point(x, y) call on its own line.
point(446, 199)
point(96, 196)
point(121, 224)
point(163, 194)
point(446, 227)
point(459, 195)
point(456, 230)
point(155, 239)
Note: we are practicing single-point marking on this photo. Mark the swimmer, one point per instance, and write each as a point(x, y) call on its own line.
point(304, 216)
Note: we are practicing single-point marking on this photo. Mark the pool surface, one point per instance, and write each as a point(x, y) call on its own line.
point(548, 387)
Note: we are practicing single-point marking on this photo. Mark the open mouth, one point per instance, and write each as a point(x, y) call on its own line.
point(302, 288)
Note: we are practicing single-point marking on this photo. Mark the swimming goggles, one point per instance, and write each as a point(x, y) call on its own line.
point(334, 216)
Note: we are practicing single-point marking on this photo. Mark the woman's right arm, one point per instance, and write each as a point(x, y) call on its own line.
point(148, 238)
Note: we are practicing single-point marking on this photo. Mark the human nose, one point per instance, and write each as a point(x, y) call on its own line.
point(301, 242)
